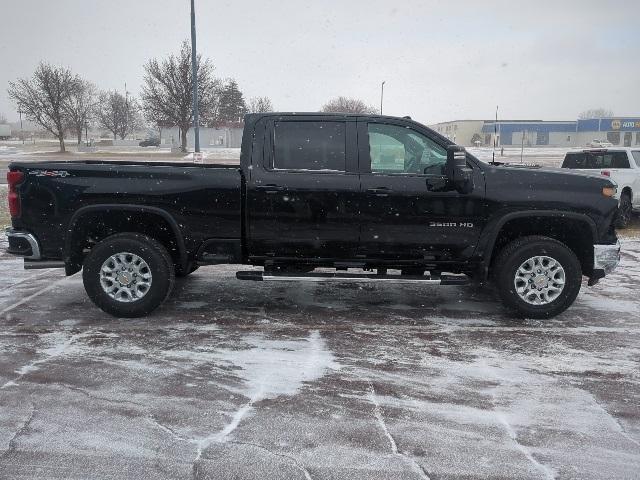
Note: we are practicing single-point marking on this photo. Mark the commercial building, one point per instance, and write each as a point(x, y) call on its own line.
point(226, 137)
point(620, 131)
point(462, 132)
point(530, 133)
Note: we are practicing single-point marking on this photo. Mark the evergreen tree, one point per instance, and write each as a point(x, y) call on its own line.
point(232, 106)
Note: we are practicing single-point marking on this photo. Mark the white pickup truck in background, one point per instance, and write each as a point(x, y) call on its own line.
point(622, 165)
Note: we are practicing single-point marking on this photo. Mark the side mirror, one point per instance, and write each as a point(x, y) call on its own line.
point(457, 170)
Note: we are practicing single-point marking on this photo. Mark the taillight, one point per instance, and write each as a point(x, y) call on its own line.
point(14, 178)
point(606, 173)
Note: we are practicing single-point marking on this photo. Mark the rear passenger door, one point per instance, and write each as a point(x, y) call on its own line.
point(303, 197)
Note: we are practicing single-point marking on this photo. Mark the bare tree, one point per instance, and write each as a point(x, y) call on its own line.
point(79, 108)
point(43, 96)
point(260, 105)
point(167, 95)
point(596, 113)
point(3, 119)
point(347, 105)
point(118, 114)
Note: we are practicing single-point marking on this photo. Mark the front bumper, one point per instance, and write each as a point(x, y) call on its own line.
point(605, 259)
point(23, 244)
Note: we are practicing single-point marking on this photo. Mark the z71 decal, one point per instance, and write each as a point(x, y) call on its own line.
point(451, 224)
point(49, 173)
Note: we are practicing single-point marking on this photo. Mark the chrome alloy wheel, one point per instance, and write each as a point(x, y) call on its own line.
point(539, 280)
point(125, 277)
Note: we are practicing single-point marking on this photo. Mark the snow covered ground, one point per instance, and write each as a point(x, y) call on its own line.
point(546, 156)
point(249, 380)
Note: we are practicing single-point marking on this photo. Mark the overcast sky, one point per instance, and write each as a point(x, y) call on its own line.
point(441, 60)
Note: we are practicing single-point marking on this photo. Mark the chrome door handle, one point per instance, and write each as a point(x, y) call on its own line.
point(380, 191)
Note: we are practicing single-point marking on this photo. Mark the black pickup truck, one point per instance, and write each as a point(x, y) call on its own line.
point(364, 198)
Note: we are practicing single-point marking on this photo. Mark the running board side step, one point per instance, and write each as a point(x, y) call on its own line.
point(35, 264)
point(444, 279)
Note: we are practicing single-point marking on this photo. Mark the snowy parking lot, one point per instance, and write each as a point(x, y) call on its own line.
point(247, 380)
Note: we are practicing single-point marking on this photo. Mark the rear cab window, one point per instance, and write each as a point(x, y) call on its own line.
point(596, 160)
point(309, 146)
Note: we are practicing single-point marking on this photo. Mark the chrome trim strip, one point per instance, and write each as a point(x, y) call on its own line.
point(278, 278)
point(35, 248)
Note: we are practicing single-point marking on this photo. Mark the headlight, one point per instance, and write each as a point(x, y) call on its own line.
point(609, 191)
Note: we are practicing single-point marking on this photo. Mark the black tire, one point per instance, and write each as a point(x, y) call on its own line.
point(624, 211)
point(159, 264)
point(513, 255)
point(191, 267)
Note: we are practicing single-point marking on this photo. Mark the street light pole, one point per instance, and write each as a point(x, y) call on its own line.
point(381, 96)
point(194, 74)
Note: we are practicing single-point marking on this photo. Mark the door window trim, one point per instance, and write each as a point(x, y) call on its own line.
point(268, 160)
point(365, 152)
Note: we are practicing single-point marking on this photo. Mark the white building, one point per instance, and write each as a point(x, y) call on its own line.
point(462, 132)
point(224, 137)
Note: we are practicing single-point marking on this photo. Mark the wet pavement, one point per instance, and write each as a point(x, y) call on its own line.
point(243, 380)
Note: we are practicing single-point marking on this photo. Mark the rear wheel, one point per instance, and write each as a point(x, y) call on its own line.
point(537, 277)
point(128, 274)
point(624, 211)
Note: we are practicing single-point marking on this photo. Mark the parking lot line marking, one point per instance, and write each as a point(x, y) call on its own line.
point(33, 295)
point(31, 277)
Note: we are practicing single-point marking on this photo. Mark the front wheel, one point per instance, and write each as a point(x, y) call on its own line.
point(128, 274)
point(537, 277)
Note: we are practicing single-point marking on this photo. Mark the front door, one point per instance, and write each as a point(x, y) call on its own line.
point(409, 211)
point(302, 198)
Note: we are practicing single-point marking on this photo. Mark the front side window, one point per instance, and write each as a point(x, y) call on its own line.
point(396, 149)
point(316, 146)
point(636, 157)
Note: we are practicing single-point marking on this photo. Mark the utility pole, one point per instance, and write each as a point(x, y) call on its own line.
point(381, 96)
point(194, 74)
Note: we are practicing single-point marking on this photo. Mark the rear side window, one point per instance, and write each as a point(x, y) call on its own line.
point(313, 146)
point(596, 160)
point(636, 157)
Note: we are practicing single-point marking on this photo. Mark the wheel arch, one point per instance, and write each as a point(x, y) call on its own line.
point(628, 190)
point(576, 230)
point(77, 230)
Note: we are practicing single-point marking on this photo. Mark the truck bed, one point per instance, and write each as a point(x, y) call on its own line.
point(204, 200)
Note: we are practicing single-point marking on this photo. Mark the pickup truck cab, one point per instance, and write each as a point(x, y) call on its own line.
point(372, 198)
point(622, 165)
